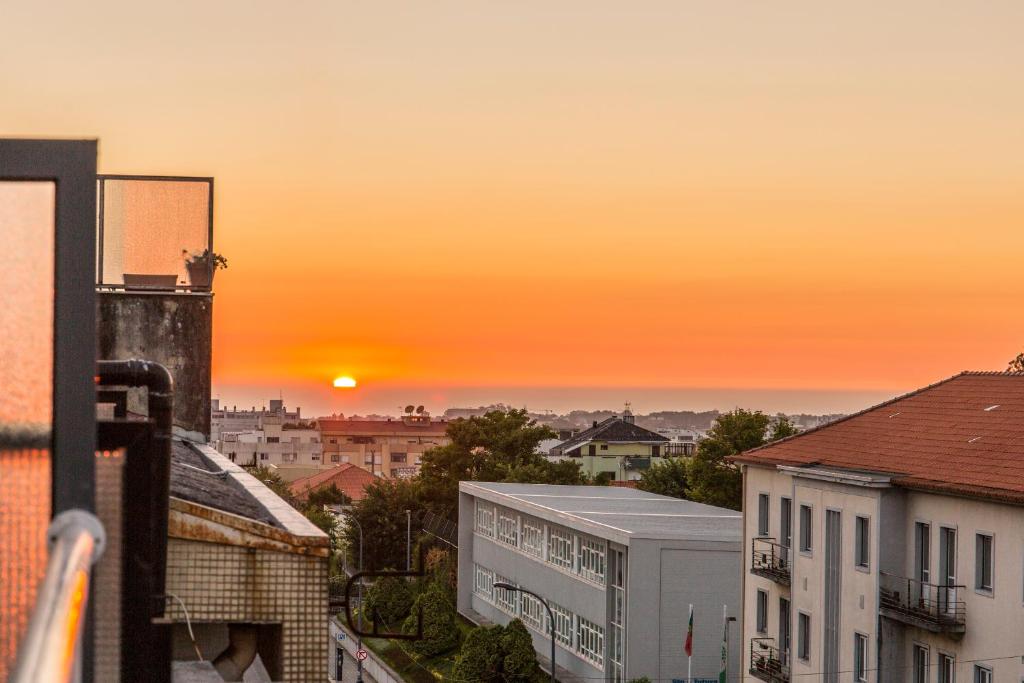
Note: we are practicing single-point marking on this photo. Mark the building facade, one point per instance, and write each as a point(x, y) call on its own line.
point(887, 546)
point(617, 448)
point(275, 441)
point(223, 419)
point(389, 448)
point(619, 567)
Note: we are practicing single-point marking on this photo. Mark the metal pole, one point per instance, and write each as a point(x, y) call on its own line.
point(408, 540)
point(359, 639)
point(551, 616)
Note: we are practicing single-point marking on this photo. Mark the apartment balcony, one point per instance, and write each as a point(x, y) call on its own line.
point(767, 662)
point(771, 560)
point(939, 609)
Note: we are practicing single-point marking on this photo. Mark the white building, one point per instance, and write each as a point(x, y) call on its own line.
point(235, 420)
point(887, 546)
point(274, 442)
point(619, 568)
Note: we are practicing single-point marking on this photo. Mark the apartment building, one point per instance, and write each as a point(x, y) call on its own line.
point(275, 441)
point(616, 447)
point(619, 568)
point(390, 448)
point(887, 546)
point(223, 419)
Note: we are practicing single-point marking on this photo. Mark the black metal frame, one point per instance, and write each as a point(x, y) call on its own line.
point(100, 189)
point(376, 633)
point(770, 559)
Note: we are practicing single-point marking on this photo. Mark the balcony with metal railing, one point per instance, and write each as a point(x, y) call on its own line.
point(935, 608)
point(771, 560)
point(767, 661)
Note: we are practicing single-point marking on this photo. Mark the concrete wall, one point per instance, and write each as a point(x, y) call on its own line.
point(173, 329)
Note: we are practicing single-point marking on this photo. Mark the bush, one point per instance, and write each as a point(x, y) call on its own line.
point(481, 656)
point(520, 661)
point(389, 600)
point(440, 627)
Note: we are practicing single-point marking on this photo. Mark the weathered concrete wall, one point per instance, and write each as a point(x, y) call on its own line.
point(173, 329)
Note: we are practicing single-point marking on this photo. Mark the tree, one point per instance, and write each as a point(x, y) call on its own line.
point(519, 662)
point(440, 626)
point(481, 657)
point(1017, 364)
point(381, 515)
point(390, 600)
point(667, 478)
point(712, 478)
point(324, 520)
point(327, 495)
point(782, 427)
point(487, 448)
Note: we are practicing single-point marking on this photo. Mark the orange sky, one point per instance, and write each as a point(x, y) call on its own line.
point(571, 194)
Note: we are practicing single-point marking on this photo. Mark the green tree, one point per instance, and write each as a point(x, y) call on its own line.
point(480, 658)
point(440, 625)
point(328, 495)
point(483, 448)
point(519, 661)
point(381, 515)
point(781, 428)
point(1017, 364)
point(390, 600)
point(712, 478)
point(667, 478)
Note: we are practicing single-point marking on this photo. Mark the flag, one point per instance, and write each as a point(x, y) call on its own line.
point(689, 635)
point(725, 650)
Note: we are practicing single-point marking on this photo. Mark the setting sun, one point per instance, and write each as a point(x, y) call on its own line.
point(344, 382)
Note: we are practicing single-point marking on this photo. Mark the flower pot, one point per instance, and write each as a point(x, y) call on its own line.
point(199, 274)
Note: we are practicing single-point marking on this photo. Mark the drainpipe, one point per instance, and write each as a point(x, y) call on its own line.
point(241, 652)
point(143, 373)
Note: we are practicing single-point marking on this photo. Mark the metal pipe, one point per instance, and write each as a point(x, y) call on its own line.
point(551, 616)
point(50, 651)
point(359, 586)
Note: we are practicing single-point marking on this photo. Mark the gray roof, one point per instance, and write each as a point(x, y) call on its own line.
point(615, 512)
point(197, 479)
point(613, 430)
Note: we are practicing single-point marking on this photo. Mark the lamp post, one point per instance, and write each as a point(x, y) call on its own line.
point(551, 616)
point(359, 640)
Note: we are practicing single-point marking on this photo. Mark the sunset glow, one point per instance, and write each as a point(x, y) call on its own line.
point(570, 195)
point(344, 383)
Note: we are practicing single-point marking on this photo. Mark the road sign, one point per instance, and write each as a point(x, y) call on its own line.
point(341, 636)
point(362, 654)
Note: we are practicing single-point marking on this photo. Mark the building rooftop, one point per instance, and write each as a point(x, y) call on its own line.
point(197, 479)
point(963, 436)
point(612, 430)
point(395, 426)
point(350, 479)
point(613, 512)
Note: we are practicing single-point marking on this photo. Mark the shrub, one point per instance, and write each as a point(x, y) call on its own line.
point(440, 628)
point(390, 600)
point(481, 656)
point(520, 661)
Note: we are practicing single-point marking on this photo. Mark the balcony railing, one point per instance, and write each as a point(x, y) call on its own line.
point(766, 661)
point(936, 608)
point(770, 560)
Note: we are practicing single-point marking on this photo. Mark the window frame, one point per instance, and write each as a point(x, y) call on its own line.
point(764, 502)
point(979, 563)
point(862, 542)
point(942, 659)
point(803, 636)
point(926, 651)
point(860, 657)
point(983, 674)
point(761, 611)
point(786, 521)
point(806, 529)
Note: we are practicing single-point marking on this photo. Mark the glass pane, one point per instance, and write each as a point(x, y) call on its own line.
point(26, 404)
point(149, 231)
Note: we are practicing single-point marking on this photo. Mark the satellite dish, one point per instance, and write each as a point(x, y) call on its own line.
point(409, 409)
point(419, 410)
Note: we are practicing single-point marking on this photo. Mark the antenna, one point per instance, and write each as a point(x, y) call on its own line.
point(419, 410)
point(409, 408)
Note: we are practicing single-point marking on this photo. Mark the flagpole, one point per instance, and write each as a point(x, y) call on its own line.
point(689, 655)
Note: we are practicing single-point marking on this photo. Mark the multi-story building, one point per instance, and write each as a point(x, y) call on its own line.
point(619, 568)
point(275, 441)
point(617, 447)
point(887, 546)
point(390, 448)
point(235, 420)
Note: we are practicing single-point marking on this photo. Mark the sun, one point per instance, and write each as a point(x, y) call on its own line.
point(344, 382)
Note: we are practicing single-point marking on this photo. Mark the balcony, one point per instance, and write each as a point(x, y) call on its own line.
point(938, 609)
point(767, 662)
point(770, 560)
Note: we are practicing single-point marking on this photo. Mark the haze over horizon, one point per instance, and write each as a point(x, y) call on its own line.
point(803, 197)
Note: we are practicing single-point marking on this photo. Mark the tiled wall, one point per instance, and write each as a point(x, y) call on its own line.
point(223, 583)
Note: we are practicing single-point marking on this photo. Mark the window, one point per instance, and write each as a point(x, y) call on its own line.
point(860, 657)
point(368, 460)
point(803, 636)
point(314, 457)
point(398, 457)
point(762, 514)
point(590, 641)
point(591, 559)
point(483, 581)
point(508, 527)
point(591, 449)
point(560, 551)
point(982, 674)
point(335, 457)
point(762, 611)
point(920, 664)
point(505, 599)
point(656, 451)
point(862, 551)
point(983, 563)
point(532, 612)
point(563, 625)
point(484, 519)
point(947, 670)
point(805, 528)
point(532, 540)
point(263, 456)
point(604, 447)
point(786, 522)
point(273, 439)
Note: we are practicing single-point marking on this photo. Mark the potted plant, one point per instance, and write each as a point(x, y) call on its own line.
point(202, 266)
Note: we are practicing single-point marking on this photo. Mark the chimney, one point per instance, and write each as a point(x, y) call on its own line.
point(595, 423)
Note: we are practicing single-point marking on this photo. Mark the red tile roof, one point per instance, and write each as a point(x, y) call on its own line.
point(370, 427)
point(351, 479)
point(963, 435)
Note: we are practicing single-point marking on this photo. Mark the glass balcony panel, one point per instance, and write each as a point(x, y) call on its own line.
point(26, 402)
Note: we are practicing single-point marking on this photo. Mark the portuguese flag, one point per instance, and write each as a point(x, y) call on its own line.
point(689, 635)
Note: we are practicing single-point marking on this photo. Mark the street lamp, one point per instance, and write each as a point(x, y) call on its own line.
point(551, 616)
point(359, 640)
